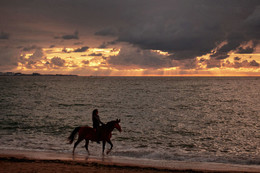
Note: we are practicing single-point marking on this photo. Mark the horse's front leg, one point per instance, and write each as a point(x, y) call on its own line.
point(111, 146)
point(104, 144)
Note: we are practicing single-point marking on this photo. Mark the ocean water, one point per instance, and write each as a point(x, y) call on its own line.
point(205, 119)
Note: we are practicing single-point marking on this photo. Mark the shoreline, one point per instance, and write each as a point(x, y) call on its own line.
point(17, 161)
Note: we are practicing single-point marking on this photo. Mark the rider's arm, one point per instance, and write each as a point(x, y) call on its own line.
point(98, 119)
point(101, 122)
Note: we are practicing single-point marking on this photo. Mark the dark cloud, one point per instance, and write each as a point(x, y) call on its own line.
point(82, 49)
point(52, 46)
point(8, 58)
point(22, 59)
point(4, 35)
point(103, 45)
point(188, 29)
point(237, 58)
point(253, 63)
point(245, 50)
point(238, 64)
point(137, 58)
point(219, 55)
point(202, 60)
point(31, 62)
point(107, 44)
point(69, 36)
point(252, 23)
point(243, 64)
point(58, 61)
point(243, 29)
point(95, 54)
point(107, 32)
point(213, 63)
point(85, 62)
point(186, 63)
point(37, 55)
point(184, 28)
point(30, 48)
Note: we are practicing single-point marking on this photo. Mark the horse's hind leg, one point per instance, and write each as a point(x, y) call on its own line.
point(86, 145)
point(111, 146)
point(76, 143)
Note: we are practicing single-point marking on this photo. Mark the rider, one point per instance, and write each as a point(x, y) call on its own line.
point(96, 123)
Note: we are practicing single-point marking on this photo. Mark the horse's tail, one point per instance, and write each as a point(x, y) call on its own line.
point(72, 135)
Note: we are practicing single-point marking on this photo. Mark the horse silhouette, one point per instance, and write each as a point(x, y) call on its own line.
point(89, 133)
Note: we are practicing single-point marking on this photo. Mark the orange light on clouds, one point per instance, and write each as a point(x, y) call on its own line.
point(94, 61)
point(70, 60)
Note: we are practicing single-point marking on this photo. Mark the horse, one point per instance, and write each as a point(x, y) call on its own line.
point(89, 133)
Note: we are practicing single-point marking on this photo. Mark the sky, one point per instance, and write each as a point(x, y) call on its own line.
point(131, 37)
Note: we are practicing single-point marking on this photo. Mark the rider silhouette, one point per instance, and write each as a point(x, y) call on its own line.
point(96, 123)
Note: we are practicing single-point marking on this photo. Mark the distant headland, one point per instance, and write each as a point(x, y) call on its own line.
point(32, 74)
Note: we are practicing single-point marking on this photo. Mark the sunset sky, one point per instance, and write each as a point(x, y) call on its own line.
point(131, 37)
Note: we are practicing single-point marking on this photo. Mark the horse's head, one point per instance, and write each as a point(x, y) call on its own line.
point(117, 126)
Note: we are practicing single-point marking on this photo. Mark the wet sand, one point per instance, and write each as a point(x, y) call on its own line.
point(28, 161)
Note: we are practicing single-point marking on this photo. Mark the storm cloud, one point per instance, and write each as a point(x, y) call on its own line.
point(58, 61)
point(30, 48)
point(243, 64)
point(138, 58)
point(82, 49)
point(186, 29)
point(247, 49)
point(95, 54)
point(37, 55)
point(8, 58)
point(107, 32)
point(4, 35)
point(69, 36)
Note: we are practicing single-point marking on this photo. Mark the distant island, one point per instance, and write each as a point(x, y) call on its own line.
point(32, 74)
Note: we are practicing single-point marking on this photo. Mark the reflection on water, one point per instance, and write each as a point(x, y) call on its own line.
point(163, 118)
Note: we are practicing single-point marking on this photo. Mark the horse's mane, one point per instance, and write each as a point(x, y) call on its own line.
point(110, 123)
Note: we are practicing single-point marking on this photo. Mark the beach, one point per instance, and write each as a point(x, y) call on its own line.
point(17, 164)
point(35, 161)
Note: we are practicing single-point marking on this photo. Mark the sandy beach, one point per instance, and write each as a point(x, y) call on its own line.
point(28, 161)
point(18, 164)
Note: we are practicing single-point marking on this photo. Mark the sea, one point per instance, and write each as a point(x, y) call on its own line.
point(191, 119)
